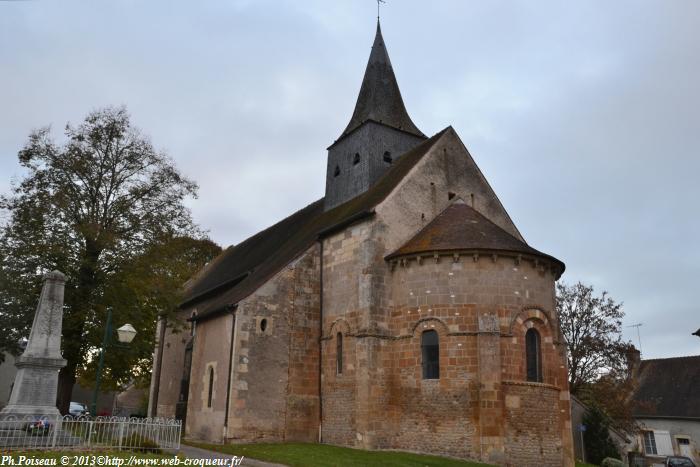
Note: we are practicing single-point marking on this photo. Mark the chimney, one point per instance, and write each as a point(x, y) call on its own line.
point(634, 359)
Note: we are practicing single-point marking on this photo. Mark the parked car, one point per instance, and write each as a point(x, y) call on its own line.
point(679, 461)
point(77, 409)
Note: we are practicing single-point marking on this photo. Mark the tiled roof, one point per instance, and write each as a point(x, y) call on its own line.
point(668, 387)
point(461, 227)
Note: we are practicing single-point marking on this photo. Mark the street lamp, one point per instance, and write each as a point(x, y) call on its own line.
point(125, 334)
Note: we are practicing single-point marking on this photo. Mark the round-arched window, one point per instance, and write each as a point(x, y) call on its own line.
point(533, 356)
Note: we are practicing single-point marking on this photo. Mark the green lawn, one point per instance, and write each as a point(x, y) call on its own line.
point(324, 455)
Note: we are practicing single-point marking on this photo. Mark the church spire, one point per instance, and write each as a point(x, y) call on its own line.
point(380, 98)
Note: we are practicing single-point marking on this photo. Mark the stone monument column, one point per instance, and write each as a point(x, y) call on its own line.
point(36, 382)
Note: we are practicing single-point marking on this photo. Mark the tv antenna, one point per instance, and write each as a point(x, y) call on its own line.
point(639, 338)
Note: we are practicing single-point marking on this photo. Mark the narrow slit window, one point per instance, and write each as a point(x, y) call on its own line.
point(387, 157)
point(211, 386)
point(430, 350)
point(356, 159)
point(336, 172)
point(533, 356)
point(339, 353)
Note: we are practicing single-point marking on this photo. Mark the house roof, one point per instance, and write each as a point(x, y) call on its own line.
point(239, 271)
point(380, 99)
point(668, 387)
point(461, 227)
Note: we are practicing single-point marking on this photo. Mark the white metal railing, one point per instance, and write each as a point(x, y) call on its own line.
point(135, 434)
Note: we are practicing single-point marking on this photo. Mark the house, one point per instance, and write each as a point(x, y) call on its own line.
point(667, 408)
point(403, 310)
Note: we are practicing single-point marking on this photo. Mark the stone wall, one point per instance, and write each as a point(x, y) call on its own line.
point(481, 309)
point(347, 298)
point(533, 425)
point(274, 387)
point(210, 353)
point(176, 336)
point(446, 172)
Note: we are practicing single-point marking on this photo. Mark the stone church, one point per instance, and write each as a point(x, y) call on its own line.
point(403, 310)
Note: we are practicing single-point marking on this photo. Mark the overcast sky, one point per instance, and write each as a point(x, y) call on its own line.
point(583, 114)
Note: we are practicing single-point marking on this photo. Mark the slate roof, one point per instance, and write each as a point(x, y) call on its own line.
point(380, 99)
point(668, 388)
point(239, 271)
point(461, 227)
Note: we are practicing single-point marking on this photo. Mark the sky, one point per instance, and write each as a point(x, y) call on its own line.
point(583, 115)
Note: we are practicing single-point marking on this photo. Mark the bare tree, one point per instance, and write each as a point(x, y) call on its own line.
point(592, 328)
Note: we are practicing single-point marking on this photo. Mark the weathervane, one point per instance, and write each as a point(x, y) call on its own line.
point(378, 2)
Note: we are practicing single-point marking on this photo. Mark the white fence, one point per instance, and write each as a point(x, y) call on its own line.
point(82, 433)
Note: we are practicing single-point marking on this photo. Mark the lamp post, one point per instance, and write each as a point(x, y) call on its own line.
point(125, 334)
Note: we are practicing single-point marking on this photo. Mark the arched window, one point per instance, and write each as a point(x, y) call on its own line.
point(533, 356)
point(387, 157)
point(211, 386)
point(356, 159)
point(339, 353)
point(430, 350)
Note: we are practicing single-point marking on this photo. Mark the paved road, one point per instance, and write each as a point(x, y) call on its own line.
point(198, 453)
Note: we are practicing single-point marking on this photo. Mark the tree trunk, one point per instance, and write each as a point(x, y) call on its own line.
point(80, 309)
point(66, 381)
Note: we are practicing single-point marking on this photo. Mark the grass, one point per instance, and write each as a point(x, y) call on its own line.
point(311, 455)
point(583, 464)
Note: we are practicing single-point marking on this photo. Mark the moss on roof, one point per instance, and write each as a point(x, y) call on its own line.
point(461, 227)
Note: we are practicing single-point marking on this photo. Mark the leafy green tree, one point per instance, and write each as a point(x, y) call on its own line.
point(148, 286)
point(90, 207)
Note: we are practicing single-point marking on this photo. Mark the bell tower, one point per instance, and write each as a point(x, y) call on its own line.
point(379, 132)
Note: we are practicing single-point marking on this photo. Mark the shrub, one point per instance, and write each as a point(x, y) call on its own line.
point(597, 439)
point(610, 462)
